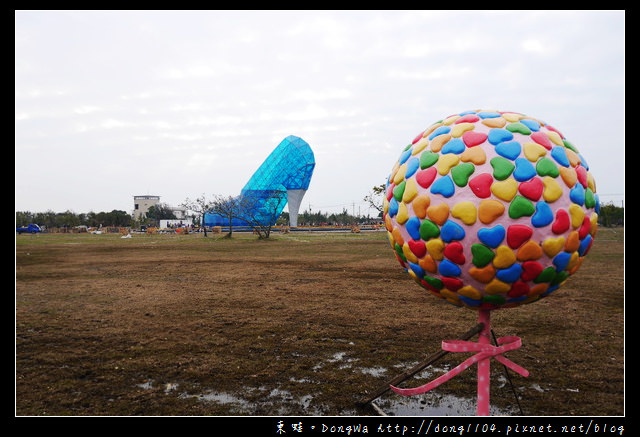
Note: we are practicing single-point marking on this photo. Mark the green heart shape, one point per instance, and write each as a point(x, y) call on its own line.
point(482, 255)
point(428, 230)
point(398, 190)
point(519, 128)
point(546, 167)
point(502, 168)
point(460, 173)
point(520, 207)
point(547, 275)
point(428, 158)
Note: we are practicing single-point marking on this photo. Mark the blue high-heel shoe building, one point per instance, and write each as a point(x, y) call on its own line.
point(283, 178)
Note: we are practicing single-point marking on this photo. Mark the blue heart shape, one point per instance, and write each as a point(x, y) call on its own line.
point(413, 227)
point(497, 136)
point(560, 155)
point(455, 145)
point(443, 186)
point(447, 268)
point(451, 231)
point(524, 170)
point(543, 215)
point(510, 149)
point(492, 237)
point(510, 274)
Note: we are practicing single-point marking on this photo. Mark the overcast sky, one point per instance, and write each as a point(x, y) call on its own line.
point(112, 104)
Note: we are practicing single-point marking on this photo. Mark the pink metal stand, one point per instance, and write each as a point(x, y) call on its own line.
point(485, 350)
point(484, 365)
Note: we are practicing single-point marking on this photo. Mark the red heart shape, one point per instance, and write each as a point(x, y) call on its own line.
point(518, 289)
point(481, 185)
point(418, 248)
point(453, 251)
point(542, 139)
point(390, 191)
point(585, 228)
point(581, 172)
point(469, 118)
point(531, 189)
point(425, 177)
point(471, 138)
point(530, 270)
point(517, 235)
point(452, 284)
point(561, 223)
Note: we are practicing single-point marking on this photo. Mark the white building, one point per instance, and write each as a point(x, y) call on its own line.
point(141, 205)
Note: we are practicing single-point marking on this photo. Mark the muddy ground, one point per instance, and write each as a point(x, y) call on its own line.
point(301, 324)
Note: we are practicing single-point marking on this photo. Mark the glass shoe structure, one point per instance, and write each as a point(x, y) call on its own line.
point(283, 178)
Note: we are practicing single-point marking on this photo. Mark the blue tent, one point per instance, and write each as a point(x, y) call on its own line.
point(282, 178)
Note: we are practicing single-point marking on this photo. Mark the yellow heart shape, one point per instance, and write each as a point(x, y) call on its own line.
point(461, 128)
point(403, 214)
point(497, 287)
point(552, 189)
point(505, 190)
point(504, 257)
point(533, 151)
point(445, 162)
point(494, 122)
point(410, 190)
point(553, 246)
point(470, 292)
point(465, 211)
point(435, 247)
point(577, 215)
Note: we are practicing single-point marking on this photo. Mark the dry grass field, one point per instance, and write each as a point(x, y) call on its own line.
point(300, 324)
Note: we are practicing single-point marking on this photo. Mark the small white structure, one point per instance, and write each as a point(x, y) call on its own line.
point(175, 223)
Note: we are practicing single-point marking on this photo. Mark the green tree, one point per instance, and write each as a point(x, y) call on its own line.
point(159, 211)
point(611, 215)
point(375, 198)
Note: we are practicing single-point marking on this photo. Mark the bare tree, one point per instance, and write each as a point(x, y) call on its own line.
point(200, 206)
point(227, 207)
point(260, 209)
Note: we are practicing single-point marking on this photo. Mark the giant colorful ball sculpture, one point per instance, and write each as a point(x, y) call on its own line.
point(491, 209)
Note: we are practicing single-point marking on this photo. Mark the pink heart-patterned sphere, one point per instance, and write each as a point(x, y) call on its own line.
point(491, 209)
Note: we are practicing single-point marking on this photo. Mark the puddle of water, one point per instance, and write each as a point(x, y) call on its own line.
point(148, 385)
point(430, 404)
point(283, 402)
point(374, 371)
point(335, 358)
point(537, 387)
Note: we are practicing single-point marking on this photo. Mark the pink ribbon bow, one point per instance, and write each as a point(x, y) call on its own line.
point(485, 352)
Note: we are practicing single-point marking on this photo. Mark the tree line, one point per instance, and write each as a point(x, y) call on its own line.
point(115, 218)
point(610, 215)
point(119, 218)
